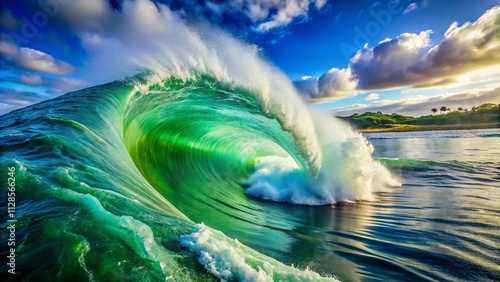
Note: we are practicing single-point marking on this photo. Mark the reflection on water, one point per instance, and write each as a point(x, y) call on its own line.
point(442, 224)
point(453, 145)
point(327, 239)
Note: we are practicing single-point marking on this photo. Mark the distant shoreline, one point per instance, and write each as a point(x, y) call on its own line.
point(409, 128)
point(484, 116)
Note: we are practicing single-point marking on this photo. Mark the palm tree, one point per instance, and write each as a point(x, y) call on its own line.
point(443, 109)
point(434, 110)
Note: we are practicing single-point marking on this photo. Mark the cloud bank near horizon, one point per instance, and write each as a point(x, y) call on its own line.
point(422, 105)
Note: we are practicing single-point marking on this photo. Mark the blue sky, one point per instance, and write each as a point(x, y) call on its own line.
point(343, 56)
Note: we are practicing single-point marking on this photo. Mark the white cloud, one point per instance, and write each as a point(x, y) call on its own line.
point(55, 86)
point(23, 61)
point(335, 83)
point(307, 86)
point(63, 85)
point(31, 59)
point(273, 14)
point(465, 48)
point(386, 65)
point(31, 79)
point(256, 11)
point(5, 108)
point(18, 99)
point(408, 60)
point(263, 15)
point(410, 8)
point(8, 49)
point(286, 11)
point(372, 97)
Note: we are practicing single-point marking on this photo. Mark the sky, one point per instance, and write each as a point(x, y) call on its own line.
point(345, 57)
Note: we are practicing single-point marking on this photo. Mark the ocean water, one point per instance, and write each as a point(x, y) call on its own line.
point(200, 179)
point(443, 224)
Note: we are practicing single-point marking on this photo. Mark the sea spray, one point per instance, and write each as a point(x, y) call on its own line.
point(348, 171)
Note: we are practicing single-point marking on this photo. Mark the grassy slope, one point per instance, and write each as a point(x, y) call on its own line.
point(378, 122)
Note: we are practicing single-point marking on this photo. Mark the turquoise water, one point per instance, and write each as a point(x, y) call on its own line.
point(199, 180)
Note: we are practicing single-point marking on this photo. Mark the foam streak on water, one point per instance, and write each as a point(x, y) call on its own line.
point(230, 260)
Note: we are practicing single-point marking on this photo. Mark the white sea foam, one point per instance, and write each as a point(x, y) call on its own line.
point(230, 260)
point(281, 179)
point(348, 171)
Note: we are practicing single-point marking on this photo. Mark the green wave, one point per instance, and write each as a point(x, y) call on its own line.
point(110, 178)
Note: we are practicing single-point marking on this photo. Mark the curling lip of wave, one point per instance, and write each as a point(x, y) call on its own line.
point(231, 125)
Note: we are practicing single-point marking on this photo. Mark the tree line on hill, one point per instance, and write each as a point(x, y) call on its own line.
point(444, 109)
point(487, 113)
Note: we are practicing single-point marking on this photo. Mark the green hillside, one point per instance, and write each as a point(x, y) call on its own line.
point(484, 116)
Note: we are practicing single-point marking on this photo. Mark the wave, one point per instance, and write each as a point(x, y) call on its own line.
point(490, 135)
point(105, 159)
point(112, 178)
point(209, 130)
